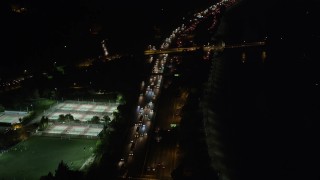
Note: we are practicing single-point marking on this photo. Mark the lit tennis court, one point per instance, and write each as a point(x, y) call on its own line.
point(100, 109)
point(83, 111)
point(93, 131)
point(58, 129)
point(66, 129)
point(78, 116)
point(12, 117)
point(85, 107)
point(69, 107)
point(77, 130)
point(111, 109)
point(54, 116)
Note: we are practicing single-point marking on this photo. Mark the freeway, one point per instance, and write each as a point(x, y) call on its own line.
point(134, 156)
point(152, 150)
point(162, 157)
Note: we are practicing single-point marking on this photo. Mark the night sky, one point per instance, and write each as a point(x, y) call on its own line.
point(40, 33)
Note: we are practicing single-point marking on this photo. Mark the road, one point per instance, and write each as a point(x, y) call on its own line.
point(162, 151)
point(134, 155)
point(154, 153)
point(162, 157)
point(155, 150)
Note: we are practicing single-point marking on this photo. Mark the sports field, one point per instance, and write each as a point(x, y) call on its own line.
point(68, 129)
point(38, 155)
point(12, 117)
point(83, 111)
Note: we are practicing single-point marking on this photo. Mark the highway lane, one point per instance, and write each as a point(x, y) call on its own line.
point(163, 157)
point(164, 154)
point(134, 157)
point(153, 157)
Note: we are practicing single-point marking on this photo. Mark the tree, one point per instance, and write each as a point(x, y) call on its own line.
point(61, 117)
point(36, 94)
point(47, 177)
point(46, 93)
point(116, 115)
point(95, 119)
point(120, 99)
point(69, 117)
point(106, 119)
point(1, 108)
point(63, 171)
point(44, 122)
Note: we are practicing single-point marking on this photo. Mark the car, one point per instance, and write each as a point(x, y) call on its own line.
point(131, 153)
point(136, 135)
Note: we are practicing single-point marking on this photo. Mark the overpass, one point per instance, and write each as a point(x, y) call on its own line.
point(216, 48)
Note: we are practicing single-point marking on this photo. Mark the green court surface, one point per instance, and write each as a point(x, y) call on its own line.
point(100, 110)
point(7, 118)
point(37, 156)
point(67, 108)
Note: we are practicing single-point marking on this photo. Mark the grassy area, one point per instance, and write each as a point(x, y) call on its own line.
point(39, 155)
